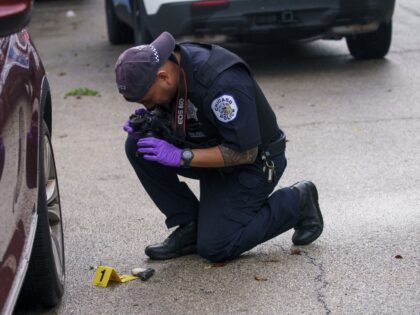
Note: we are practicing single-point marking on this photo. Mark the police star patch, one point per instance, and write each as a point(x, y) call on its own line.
point(225, 108)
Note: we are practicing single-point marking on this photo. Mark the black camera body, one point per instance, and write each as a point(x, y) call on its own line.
point(145, 125)
point(153, 124)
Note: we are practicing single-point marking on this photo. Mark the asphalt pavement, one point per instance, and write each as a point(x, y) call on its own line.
point(353, 128)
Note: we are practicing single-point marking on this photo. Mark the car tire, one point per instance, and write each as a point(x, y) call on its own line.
point(118, 32)
point(371, 45)
point(45, 278)
point(141, 33)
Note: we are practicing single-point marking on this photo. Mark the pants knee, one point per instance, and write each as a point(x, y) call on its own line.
point(212, 251)
point(131, 148)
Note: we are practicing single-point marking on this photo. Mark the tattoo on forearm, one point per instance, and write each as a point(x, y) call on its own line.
point(232, 157)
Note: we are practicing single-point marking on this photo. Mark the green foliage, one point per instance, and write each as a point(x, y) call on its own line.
point(79, 92)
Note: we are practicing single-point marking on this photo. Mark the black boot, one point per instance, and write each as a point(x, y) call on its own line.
point(181, 242)
point(310, 224)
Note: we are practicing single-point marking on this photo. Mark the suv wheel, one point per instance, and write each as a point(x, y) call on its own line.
point(371, 45)
point(118, 32)
point(44, 282)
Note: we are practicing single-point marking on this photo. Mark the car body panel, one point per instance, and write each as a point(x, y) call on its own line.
point(15, 265)
point(287, 19)
point(10, 263)
point(152, 7)
point(21, 77)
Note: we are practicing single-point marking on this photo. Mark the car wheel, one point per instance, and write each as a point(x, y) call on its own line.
point(44, 282)
point(141, 33)
point(371, 45)
point(118, 32)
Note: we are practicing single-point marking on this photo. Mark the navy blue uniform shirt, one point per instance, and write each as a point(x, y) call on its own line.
point(225, 113)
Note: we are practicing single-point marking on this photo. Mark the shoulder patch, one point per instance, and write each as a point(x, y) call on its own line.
point(224, 108)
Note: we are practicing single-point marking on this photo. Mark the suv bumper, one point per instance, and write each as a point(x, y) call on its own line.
point(287, 19)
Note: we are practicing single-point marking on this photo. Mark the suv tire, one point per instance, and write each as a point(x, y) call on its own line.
point(118, 32)
point(141, 33)
point(371, 45)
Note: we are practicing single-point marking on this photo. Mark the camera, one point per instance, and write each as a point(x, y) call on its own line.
point(158, 124)
point(144, 124)
point(147, 124)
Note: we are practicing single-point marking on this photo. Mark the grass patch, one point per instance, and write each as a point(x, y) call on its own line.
point(79, 92)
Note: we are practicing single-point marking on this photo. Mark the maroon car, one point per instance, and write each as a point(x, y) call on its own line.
point(31, 229)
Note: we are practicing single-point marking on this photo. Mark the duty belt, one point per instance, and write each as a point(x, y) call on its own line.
point(274, 148)
point(277, 146)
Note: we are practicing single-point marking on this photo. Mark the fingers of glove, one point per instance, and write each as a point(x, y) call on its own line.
point(140, 111)
point(149, 157)
point(127, 128)
point(148, 142)
point(145, 150)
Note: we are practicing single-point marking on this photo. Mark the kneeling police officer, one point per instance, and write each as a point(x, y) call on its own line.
point(220, 130)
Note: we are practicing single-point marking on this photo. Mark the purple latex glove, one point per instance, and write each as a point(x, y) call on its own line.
point(160, 151)
point(127, 128)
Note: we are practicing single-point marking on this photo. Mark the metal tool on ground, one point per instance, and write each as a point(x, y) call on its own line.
point(142, 273)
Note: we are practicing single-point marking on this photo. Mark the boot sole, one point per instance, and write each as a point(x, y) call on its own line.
point(314, 193)
point(188, 250)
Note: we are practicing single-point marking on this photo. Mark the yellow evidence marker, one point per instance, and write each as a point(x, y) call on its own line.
point(105, 274)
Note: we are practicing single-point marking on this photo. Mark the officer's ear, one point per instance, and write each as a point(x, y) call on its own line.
point(162, 75)
point(167, 73)
point(166, 77)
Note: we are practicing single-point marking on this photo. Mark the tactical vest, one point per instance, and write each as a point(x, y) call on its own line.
point(221, 59)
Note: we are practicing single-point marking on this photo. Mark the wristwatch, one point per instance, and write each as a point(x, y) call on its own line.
point(186, 157)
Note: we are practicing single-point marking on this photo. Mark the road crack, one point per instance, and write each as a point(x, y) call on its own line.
point(320, 281)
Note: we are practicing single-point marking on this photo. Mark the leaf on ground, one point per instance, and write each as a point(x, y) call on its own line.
point(79, 92)
point(215, 265)
point(258, 278)
point(295, 251)
point(398, 257)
